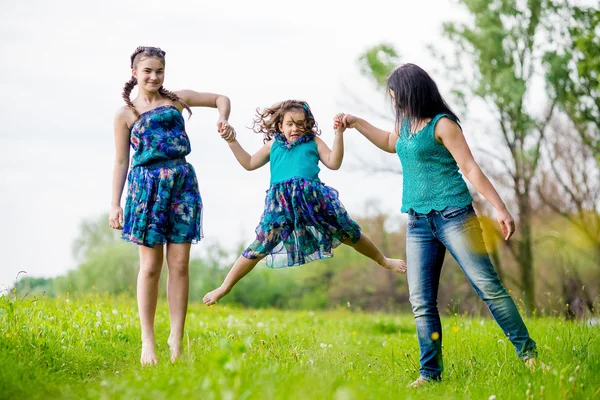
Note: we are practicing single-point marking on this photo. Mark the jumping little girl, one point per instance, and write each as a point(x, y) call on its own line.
point(303, 219)
point(163, 201)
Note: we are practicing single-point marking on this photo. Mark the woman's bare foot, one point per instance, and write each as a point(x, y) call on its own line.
point(149, 356)
point(394, 264)
point(419, 382)
point(175, 347)
point(212, 297)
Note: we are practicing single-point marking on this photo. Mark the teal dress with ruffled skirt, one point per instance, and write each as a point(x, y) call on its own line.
point(303, 219)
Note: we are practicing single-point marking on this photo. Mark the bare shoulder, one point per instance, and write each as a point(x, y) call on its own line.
point(124, 116)
point(446, 128)
point(122, 112)
point(319, 141)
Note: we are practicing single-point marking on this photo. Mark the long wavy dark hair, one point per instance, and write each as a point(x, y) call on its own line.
point(417, 95)
point(138, 55)
point(267, 121)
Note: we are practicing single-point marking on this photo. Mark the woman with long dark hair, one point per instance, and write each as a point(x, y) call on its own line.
point(432, 149)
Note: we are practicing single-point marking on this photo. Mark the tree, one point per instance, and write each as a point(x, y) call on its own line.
point(574, 73)
point(502, 46)
point(106, 263)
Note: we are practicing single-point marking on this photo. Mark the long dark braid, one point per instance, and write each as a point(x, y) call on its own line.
point(174, 98)
point(130, 84)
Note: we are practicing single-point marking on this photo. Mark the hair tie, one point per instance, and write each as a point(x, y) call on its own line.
point(306, 108)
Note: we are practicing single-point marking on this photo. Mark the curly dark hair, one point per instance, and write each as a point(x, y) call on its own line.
point(136, 57)
point(267, 121)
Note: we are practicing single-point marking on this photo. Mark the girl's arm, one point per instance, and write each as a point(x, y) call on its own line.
point(121, 166)
point(386, 141)
point(250, 162)
point(199, 99)
point(451, 136)
point(332, 159)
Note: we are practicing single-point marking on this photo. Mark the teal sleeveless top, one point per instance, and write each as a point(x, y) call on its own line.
point(432, 180)
point(299, 159)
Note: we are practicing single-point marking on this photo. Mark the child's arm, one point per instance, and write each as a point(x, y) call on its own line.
point(121, 166)
point(332, 159)
point(199, 99)
point(249, 162)
point(451, 136)
point(386, 141)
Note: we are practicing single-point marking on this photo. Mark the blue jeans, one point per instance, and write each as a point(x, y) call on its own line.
point(456, 229)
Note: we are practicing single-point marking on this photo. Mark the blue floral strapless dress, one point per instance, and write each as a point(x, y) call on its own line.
point(163, 200)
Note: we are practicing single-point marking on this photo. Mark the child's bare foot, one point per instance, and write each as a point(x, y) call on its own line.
point(149, 356)
point(212, 297)
point(175, 346)
point(394, 264)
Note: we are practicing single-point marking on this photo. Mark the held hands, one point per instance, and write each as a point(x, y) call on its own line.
point(227, 132)
point(115, 218)
point(338, 123)
point(349, 121)
point(507, 223)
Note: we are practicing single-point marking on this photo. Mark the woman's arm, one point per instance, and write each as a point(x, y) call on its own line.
point(451, 136)
point(386, 141)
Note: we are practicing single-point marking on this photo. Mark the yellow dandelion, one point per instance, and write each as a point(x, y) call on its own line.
point(509, 290)
point(455, 329)
point(7, 335)
point(435, 336)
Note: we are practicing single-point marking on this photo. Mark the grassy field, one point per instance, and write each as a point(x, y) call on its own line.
point(89, 348)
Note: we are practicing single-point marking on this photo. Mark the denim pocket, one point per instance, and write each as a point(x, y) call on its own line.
point(452, 212)
point(412, 221)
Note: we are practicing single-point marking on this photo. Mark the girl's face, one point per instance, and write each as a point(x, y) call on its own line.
point(150, 74)
point(292, 125)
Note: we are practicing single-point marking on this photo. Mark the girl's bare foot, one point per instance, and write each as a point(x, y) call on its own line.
point(212, 297)
point(175, 346)
point(149, 356)
point(394, 264)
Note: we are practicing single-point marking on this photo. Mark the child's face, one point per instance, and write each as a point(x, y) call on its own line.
point(293, 125)
point(150, 74)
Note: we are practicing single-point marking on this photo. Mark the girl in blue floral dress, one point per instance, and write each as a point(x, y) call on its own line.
point(303, 219)
point(163, 205)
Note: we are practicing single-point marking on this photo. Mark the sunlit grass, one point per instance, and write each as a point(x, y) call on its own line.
point(89, 347)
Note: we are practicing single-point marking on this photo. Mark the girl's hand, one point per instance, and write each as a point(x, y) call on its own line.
point(349, 121)
point(228, 134)
point(507, 223)
point(115, 219)
point(338, 125)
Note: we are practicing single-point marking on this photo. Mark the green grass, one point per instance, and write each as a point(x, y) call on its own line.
point(89, 348)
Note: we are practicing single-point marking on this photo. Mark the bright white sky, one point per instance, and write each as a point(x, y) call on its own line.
point(64, 64)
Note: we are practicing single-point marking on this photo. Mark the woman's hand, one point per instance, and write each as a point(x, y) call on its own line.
point(349, 121)
point(506, 221)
